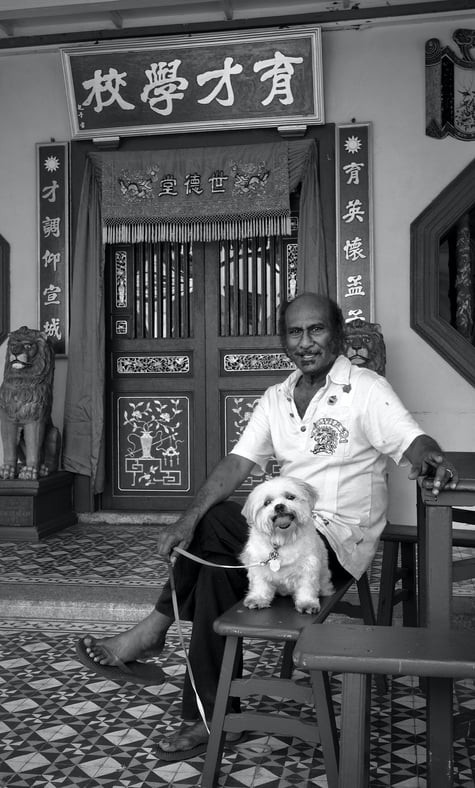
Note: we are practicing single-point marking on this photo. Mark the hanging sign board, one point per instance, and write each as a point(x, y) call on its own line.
point(197, 83)
point(53, 242)
point(354, 221)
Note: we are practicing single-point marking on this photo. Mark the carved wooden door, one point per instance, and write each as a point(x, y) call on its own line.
point(192, 343)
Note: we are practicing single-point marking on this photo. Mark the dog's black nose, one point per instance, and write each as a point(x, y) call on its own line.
point(279, 508)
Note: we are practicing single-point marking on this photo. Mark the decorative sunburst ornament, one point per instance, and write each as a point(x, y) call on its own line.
point(352, 145)
point(51, 163)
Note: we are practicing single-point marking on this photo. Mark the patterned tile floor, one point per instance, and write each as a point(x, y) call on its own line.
point(63, 726)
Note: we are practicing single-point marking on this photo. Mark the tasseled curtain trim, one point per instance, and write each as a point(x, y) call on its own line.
point(154, 231)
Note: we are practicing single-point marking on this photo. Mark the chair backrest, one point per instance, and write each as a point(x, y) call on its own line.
point(365, 345)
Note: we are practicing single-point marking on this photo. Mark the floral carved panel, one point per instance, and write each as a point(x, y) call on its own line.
point(153, 439)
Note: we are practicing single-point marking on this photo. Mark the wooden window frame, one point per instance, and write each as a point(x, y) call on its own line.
point(427, 230)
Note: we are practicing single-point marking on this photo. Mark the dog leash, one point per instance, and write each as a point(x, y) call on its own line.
point(182, 641)
point(273, 555)
point(274, 565)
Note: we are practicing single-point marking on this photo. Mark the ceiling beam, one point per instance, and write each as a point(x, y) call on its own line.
point(353, 15)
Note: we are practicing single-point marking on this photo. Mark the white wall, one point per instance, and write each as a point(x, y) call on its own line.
point(378, 75)
point(372, 75)
point(32, 109)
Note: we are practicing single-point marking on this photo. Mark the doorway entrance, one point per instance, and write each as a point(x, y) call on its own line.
point(190, 331)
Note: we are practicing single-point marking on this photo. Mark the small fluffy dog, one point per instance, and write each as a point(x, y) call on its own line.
point(283, 540)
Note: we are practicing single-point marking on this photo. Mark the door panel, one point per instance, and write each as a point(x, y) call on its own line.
point(156, 386)
point(242, 343)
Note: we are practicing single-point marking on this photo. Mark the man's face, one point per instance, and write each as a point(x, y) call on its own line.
point(309, 338)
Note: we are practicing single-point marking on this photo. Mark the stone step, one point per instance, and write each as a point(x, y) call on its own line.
point(95, 599)
point(101, 600)
point(77, 602)
point(108, 517)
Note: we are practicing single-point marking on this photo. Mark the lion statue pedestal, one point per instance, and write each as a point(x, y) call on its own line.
point(36, 499)
point(31, 444)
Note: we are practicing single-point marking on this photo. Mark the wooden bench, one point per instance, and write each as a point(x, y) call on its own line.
point(358, 651)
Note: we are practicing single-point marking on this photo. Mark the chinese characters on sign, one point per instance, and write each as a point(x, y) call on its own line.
point(354, 222)
point(53, 242)
point(196, 83)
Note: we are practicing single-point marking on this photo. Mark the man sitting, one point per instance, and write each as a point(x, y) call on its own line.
point(330, 423)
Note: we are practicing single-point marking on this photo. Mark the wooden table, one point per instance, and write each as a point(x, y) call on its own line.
point(434, 521)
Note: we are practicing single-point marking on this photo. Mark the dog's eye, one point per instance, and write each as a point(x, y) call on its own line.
point(290, 497)
point(267, 501)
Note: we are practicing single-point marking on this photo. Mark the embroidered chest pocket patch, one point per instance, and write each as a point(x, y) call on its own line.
point(327, 434)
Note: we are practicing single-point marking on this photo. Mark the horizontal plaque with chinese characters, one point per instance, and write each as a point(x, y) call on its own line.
point(53, 242)
point(354, 222)
point(196, 83)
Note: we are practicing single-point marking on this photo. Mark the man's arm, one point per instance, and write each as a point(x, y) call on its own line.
point(220, 484)
point(427, 459)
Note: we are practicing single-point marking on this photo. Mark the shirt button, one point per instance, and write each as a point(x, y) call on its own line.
point(303, 429)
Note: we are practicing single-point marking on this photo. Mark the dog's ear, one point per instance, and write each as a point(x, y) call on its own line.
point(249, 506)
point(309, 491)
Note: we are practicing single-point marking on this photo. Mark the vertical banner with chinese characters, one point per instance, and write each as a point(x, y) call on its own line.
point(354, 221)
point(53, 241)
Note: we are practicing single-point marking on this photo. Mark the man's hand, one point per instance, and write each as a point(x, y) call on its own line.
point(229, 473)
point(177, 534)
point(429, 462)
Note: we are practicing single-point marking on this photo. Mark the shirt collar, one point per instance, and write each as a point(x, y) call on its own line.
point(339, 374)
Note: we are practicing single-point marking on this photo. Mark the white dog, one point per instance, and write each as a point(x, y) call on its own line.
point(292, 558)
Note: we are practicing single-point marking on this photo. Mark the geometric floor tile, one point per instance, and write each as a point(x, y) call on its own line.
point(64, 727)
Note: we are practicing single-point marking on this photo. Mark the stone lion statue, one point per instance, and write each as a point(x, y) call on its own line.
point(31, 444)
point(365, 345)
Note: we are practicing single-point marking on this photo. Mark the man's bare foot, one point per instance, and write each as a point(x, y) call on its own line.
point(190, 740)
point(147, 638)
point(190, 737)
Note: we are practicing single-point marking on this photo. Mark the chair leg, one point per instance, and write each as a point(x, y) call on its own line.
point(214, 751)
point(326, 725)
point(369, 617)
point(409, 585)
point(355, 731)
point(366, 602)
point(387, 584)
point(287, 664)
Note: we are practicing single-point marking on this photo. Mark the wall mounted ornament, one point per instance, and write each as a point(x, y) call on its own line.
point(450, 87)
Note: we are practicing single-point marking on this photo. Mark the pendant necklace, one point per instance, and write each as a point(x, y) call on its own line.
point(274, 560)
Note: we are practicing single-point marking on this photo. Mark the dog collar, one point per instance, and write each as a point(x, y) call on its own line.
point(273, 561)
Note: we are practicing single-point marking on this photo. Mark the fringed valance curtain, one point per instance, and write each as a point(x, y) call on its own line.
point(199, 194)
point(121, 202)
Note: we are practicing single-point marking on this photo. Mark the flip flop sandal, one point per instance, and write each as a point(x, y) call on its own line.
point(146, 673)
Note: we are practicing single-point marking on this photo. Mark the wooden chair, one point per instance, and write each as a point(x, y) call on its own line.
point(279, 623)
point(399, 562)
